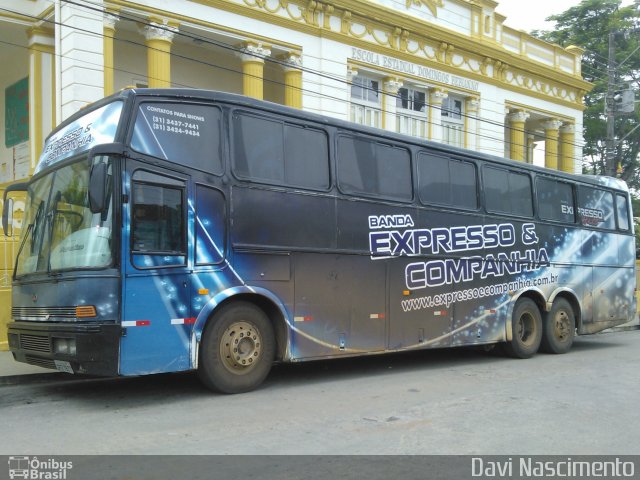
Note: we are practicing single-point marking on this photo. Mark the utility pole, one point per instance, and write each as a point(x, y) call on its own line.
point(610, 158)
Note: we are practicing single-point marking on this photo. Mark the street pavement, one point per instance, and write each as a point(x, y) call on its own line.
point(447, 401)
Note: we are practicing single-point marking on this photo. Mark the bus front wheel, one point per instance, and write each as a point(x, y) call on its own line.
point(237, 349)
point(559, 328)
point(526, 326)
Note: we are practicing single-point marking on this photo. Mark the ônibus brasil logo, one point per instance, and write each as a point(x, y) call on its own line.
point(33, 468)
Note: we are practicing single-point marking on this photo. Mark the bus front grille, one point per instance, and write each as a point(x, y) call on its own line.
point(35, 343)
point(42, 313)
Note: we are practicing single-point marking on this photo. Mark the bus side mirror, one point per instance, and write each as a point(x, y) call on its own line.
point(97, 187)
point(7, 207)
point(7, 217)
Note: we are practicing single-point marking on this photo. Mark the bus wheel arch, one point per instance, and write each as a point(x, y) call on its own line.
point(238, 330)
point(572, 298)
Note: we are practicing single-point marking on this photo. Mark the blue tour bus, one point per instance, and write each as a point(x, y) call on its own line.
point(173, 230)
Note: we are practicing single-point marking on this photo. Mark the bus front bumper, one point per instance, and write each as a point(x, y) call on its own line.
point(91, 348)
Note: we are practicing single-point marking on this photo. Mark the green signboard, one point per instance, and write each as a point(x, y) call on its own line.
point(16, 113)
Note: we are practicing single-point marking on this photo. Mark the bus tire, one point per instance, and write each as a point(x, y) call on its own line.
point(559, 327)
point(526, 327)
point(237, 349)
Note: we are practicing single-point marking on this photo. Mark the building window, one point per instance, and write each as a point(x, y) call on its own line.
point(411, 116)
point(452, 108)
point(366, 101)
point(410, 99)
point(453, 121)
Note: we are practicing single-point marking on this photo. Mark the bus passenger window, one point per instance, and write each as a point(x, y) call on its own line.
point(555, 200)
point(446, 181)
point(306, 157)
point(272, 151)
point(374, 169)
point(623, 212)
point(508, 192)
point(258, 148)
point(595, 208)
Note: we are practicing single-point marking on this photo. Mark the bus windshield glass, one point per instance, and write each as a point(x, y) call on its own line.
point(60, 231)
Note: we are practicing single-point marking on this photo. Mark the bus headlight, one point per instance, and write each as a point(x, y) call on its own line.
point(64, 346)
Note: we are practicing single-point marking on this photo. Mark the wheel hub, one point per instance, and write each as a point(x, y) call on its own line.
point(525, 329)
point(561, 325)
point(240, 347)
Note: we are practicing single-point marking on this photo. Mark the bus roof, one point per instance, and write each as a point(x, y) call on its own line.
point(187, 94)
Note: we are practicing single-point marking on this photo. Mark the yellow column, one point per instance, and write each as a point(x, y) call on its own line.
point(252, 56)
point(293, 80)
point(567, 147)
point(109, 31)
point(517, 120)
point(551, 143)
point(159, 36)
point(41, 90)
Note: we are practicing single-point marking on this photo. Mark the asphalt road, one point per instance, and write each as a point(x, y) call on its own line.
point(455, 401)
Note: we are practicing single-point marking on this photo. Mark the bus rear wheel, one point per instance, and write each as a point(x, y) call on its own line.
point(526, 327)
point(559, 328)
point(237, 349)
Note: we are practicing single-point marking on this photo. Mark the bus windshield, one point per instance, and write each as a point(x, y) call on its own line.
point(60, 231)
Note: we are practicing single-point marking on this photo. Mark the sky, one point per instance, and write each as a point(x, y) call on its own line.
point(521, 15)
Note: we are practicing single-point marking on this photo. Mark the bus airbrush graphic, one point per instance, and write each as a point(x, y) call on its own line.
point(174, 230)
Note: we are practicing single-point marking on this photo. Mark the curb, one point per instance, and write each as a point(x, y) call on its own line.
point(622, 329)
point(39, 378)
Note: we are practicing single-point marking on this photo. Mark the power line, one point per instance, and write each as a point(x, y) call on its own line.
point(144, 21)
point(275, 61)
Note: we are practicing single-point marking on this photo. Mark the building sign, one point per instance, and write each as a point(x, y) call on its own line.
point(16, 113)
point(409, 68)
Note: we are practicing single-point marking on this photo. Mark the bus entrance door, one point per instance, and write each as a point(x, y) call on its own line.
point(156, 284)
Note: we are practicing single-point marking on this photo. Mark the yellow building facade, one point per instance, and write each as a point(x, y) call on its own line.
point(450, 71)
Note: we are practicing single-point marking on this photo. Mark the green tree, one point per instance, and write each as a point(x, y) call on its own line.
point(587, 25)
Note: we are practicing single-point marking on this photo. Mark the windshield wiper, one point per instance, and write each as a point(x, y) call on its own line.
point(51, 219)
point(24, 240)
